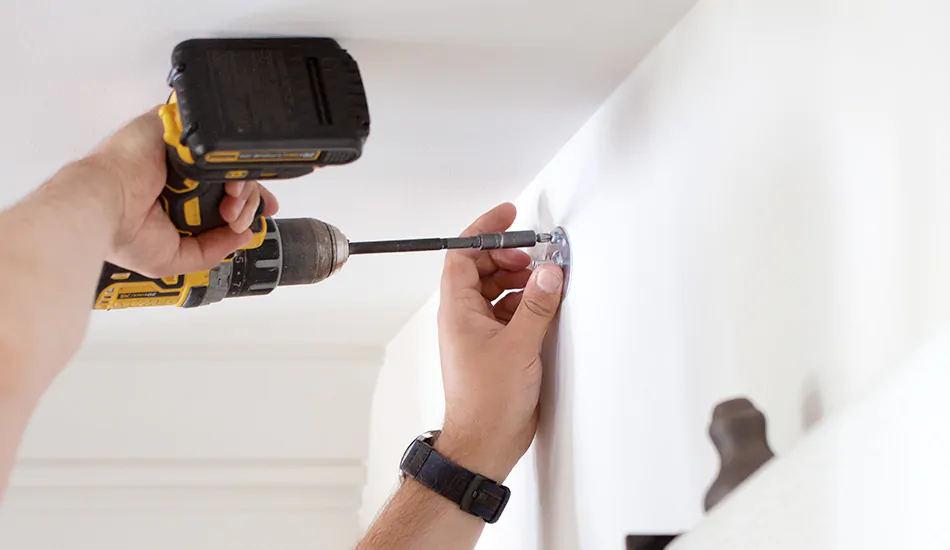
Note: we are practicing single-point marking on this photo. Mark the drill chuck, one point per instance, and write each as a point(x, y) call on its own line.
point(295, 251)
point(311, 251)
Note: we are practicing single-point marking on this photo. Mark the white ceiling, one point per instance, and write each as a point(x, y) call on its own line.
point(469, 99)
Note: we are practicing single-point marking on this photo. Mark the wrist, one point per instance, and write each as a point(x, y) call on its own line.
point(97, 185)
point(476, 454)
point(19, 399)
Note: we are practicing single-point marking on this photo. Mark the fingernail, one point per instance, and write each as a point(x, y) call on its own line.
point(238, 188)
point(548, 280)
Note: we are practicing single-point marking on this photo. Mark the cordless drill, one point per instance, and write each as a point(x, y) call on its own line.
point(262, 109)
point(250, 109)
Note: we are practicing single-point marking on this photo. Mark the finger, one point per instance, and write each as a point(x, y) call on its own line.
point(505, 309)
point(233, 205)
point(495, 284)
point(460, 277)
point(461, 272)
point(511, 259)
point(234, 188)
point(142, 134)
point(207, 250)
point(270, 201)
point(490, 261)
point(234, 209)
point(235, 198)
point(497, 219)
point(148, 126)
point(249, 211)
point(541, 299)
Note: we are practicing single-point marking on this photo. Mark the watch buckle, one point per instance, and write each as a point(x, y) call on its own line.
point(471, 493)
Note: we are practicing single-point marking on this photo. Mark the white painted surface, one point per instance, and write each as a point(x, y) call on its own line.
point(873, 477)
point(407, 402)
point(469, 100)
point(244, 447)
point(253, 434)
point(759, 210)
point(187, 518)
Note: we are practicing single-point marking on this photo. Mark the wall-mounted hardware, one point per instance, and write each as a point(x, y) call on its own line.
point(738, 431)
point(558, 252)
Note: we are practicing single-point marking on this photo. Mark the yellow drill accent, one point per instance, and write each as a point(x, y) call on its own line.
point(189, 185)
point(171, 120)
point(193, 212)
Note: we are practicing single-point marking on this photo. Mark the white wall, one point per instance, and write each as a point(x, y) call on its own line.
point(240, 447)
point(407, 402)
point(873, 477)
point(760, 209)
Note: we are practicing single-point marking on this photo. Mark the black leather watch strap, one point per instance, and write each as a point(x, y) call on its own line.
point(474, 494)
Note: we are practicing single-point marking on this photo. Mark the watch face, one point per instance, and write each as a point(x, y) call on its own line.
point(428, 438)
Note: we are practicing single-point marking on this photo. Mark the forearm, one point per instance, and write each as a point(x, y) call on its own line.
point(54, 244)
point(15, 411)
point(417, 517)
point(49, 270)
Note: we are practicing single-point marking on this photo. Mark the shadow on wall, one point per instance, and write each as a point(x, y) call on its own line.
point(813, 405)
point(555, 439)
point(555, 446)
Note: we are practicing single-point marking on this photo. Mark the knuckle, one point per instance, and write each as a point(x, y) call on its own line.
point(538, 307)
point(155, 272)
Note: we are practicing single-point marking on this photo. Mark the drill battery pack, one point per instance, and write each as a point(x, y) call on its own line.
point(264, 108)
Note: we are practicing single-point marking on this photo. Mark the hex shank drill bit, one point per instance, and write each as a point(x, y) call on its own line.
point(485, 241)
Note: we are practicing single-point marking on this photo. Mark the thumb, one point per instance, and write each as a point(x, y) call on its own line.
point(207, 250)
point(538, 306)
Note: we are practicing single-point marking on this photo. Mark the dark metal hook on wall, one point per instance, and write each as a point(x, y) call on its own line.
point(738, 430)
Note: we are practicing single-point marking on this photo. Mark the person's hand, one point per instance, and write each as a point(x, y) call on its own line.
point(491, 364)
point(133, 164)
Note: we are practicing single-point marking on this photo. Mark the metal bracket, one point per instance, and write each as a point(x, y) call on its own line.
point(557, 252)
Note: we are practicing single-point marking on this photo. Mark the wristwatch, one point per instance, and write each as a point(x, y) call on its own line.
point(474, 493)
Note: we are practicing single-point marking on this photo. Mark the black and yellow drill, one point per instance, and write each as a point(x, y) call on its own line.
point(250, 109)
point(261, 109)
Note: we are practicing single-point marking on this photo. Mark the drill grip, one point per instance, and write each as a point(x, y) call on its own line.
point(195, 207)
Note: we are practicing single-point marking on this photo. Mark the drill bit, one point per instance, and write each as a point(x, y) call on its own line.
point(485, 241)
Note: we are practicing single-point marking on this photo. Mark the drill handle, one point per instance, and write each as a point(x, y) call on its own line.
point(195, 207)
point(119, 288)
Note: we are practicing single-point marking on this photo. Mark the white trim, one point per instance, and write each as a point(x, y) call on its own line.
point(143, 473)
point(220, 500)
point(266, 354)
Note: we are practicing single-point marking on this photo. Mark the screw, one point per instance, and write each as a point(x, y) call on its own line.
point(555, 259)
